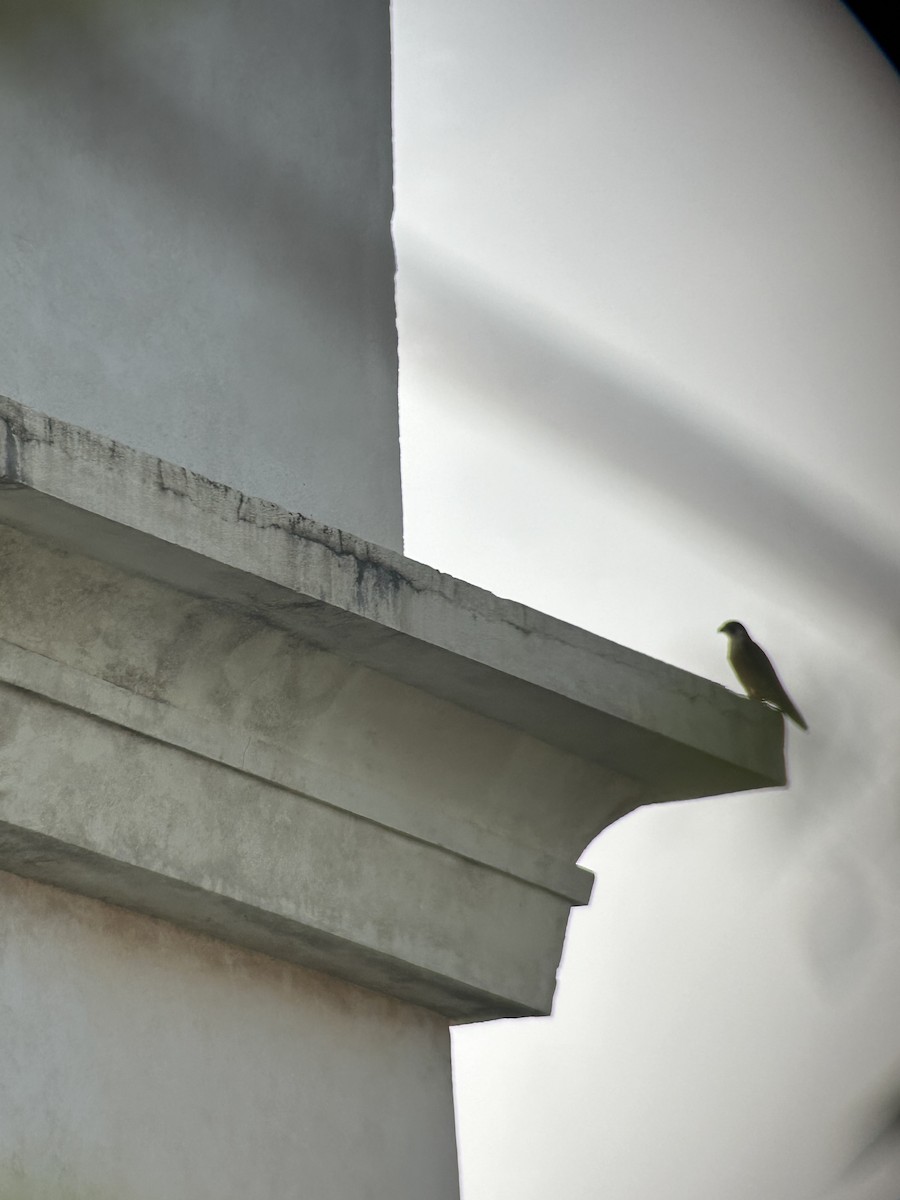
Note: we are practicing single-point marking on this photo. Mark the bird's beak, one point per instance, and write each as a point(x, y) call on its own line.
point(721, 629)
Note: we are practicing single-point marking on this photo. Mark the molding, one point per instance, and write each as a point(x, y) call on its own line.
point(672, 730)
point(258, 759)
point(230, 717)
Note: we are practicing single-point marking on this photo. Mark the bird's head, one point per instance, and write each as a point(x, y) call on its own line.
point(732, 629)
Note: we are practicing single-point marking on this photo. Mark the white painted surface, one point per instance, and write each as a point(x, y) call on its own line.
point(140, 1061)
point(699, 203)
point(195, 246)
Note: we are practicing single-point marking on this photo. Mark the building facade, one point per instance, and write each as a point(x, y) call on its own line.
point(277, 805)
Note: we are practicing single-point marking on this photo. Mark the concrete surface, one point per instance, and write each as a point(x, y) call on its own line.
point(678, 734)
point(196, 249)
point(264, 729)
point(141, 1062)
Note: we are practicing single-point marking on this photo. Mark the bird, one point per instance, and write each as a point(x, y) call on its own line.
point(757, 675)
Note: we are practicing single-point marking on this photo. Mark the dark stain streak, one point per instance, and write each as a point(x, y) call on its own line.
point(11, 467)
point(378, 581)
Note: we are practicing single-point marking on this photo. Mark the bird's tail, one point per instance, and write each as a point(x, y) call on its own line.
point(793, 712)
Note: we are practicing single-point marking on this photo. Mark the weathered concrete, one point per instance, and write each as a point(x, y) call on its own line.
point(142, 1062)
point(196, 243)
point(679, 733)
point(252, 725)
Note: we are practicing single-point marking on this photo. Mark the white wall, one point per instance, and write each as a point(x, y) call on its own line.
point(686, 217)
point(195, 246)
point(141, 1061)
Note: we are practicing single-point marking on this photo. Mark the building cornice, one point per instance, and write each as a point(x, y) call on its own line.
point(429, 804)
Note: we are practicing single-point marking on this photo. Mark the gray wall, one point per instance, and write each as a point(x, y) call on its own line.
point(195, 250)
point(141, 1061)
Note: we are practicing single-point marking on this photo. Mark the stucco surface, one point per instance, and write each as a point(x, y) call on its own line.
point(196, 249)
point(141, 1061)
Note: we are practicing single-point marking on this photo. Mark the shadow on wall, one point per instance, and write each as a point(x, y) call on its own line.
point(491, 351)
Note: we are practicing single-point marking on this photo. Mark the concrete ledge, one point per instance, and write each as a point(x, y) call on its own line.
point(680, 733)
point(224, 714)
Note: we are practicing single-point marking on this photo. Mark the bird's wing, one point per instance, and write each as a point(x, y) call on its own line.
point(753, 669)
point(762, 683)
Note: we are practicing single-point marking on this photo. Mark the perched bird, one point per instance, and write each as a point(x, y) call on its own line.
point(756, 673)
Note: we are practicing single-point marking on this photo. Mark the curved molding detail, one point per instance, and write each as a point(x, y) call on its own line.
point(226, 715)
